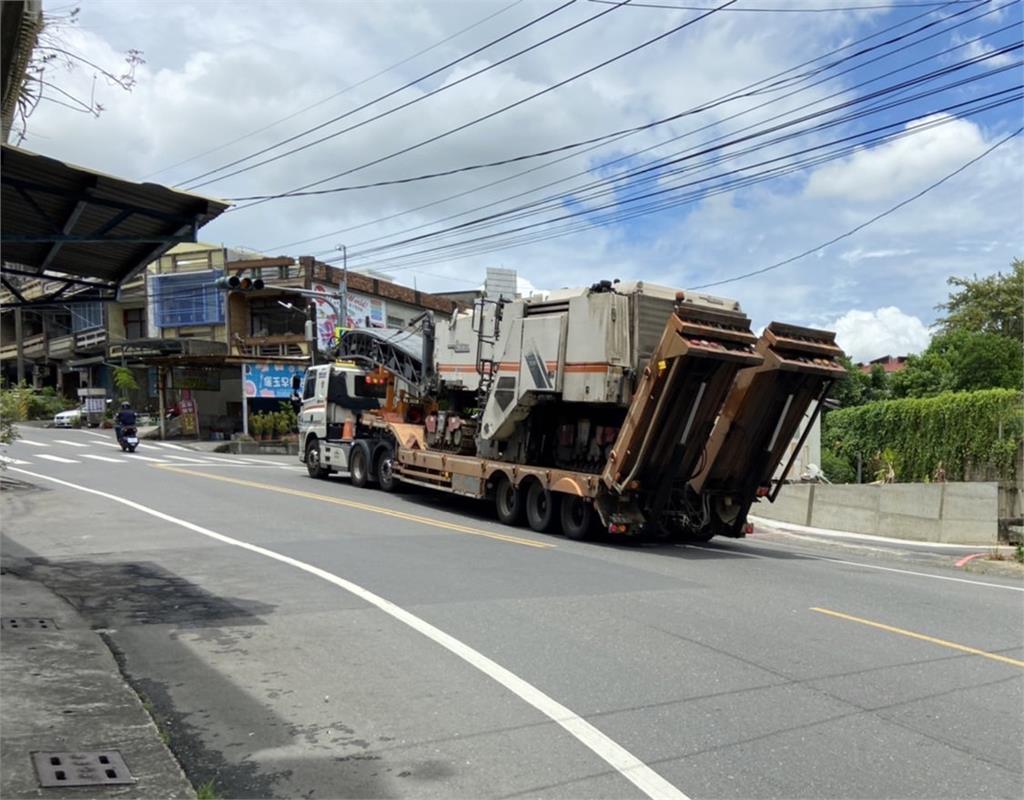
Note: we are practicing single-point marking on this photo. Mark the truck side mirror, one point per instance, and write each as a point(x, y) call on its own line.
point(296, 382)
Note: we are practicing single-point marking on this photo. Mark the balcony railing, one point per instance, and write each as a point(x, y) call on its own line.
point(290, 344)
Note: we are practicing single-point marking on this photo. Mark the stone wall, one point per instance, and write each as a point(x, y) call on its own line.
point(961, 513)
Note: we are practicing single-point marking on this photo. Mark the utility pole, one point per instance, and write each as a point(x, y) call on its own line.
point(21, 347)
point(343, 316)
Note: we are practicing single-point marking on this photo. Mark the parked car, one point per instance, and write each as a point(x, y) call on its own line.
point(69, 419)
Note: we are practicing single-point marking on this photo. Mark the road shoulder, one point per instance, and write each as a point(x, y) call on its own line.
point(63, 691)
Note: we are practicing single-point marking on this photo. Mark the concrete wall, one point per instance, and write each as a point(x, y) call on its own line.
point(962, 513)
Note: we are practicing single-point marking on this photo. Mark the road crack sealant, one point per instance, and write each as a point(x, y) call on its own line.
point(643, 777)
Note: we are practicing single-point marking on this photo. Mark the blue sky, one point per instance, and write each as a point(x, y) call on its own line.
point(222, 80)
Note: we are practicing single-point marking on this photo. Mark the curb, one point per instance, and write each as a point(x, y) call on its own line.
point(865, 537)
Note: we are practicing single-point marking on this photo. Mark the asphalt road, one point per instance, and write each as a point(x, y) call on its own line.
point(303, 638)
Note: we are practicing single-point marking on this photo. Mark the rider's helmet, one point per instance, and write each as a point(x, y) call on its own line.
point(126, 405)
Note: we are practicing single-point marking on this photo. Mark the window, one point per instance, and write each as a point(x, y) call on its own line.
point(395, 322)
point(85, 316)
point(309, 391)
point(134, 323)
point(189, 298)
point(271, 318)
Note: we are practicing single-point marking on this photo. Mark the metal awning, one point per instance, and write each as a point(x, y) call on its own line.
point(80, 229)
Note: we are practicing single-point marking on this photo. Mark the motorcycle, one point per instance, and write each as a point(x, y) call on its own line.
point(129, 438)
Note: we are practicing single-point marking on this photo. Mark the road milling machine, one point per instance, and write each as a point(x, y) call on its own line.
point(626, 407)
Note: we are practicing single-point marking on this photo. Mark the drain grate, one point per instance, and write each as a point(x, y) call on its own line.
point(28, 623)
point(96, 768)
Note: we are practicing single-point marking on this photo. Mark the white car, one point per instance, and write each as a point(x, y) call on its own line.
point(69, 419)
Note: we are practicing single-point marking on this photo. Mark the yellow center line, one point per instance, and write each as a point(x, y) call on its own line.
point(436, 523)
point(903, 632)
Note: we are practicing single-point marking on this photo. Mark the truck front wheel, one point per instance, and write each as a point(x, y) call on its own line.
point(541, 508)
point(358, 466)
point(314, 465)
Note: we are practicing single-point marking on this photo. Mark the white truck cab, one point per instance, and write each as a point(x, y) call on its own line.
point(333, 398)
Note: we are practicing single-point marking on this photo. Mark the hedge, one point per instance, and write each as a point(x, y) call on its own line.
point(956, 430)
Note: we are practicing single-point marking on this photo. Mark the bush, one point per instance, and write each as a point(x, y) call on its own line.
point(20, 403)
point(837, 469)
point(952, 431)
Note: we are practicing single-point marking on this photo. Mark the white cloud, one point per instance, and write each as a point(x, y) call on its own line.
point(895, 168)
point(866, 335)
point(205, 84)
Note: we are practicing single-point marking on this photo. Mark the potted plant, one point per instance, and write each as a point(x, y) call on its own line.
point(282, 425)
point(257, 427)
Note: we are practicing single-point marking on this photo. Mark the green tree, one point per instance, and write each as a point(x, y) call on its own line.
point(988, 305)
point(848, 391)
point(960, 361)
point(124, 381)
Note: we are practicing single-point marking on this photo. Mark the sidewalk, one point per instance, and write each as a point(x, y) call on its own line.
point(62, 691)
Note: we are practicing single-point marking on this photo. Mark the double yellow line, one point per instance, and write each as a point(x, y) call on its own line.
point(389, 512)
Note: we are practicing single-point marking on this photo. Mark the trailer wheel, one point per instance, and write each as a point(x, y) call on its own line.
point(541, 508)
point(508, 502)
point(385, 471)
point(313, 463)
point(358, 466)
point(577, 517)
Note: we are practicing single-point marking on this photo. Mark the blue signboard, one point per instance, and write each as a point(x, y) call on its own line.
point(270, 380)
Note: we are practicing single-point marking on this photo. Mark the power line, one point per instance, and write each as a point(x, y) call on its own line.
point(748, 88)
point(432, 73)
point(339, 93)
point(618, 216)
point(863, 225)
point(560, 197)
point(501, 110)
point(789, 10)
point(550, 151)
point(757, 134)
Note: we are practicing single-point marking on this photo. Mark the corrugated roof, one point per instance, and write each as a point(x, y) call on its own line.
point(83, 224)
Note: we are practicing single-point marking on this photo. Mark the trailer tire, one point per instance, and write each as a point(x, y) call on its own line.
point(359, 465)
point(541, 508)
point(508, 502)
point(385, 470)
point(577, 517)
point(314, 465)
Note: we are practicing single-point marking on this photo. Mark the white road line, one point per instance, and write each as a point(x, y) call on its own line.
point(106, 458)
point(9, 460)
point(227, 460)
point(71, 444)
point(109, 444)
point(170, 445)
point(867, 566)
point(629, 766)
point(95, 433)
point(188, 459)
point(34, 444)
point(149, 458)
point(58, 459)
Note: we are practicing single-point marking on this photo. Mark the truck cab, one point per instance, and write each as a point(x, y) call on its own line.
point(334, 399)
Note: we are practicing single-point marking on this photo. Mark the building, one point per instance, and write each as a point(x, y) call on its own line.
point(888, 363)
point(190, 344)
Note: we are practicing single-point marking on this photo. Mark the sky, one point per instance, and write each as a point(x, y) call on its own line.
point(795, 122)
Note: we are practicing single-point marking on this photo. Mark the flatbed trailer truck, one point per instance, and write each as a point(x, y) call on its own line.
point(621, 407)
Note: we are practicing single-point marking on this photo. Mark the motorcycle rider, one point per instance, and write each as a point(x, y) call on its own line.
point(125, 419)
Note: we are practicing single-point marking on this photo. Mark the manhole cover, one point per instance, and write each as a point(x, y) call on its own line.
point(28, 623)
point(97, 768)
